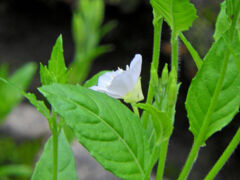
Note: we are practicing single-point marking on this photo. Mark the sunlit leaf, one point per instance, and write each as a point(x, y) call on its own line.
point(108, 129)
point(208, 107)
point(56, 70)
point(179, 14)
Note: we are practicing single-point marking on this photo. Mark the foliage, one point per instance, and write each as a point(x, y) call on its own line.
point(125, 142)
point(87, 32)
point(9, 95)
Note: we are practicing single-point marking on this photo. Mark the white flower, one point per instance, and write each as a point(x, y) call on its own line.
point(118, 84)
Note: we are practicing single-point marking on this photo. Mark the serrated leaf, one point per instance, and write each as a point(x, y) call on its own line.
point(204, 104)
point(109, 130)
point(179, 14)
point(66, 162)
point(40, 105)
point(56, 71)
point(161, 122)
point(229, 10)
point(94, 80)
point(223, 23)
point(11, 96)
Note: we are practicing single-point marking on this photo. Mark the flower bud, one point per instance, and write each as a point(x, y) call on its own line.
point(165, 75)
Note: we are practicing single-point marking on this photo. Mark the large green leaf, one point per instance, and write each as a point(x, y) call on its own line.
point(66, 162)
point(56, 70)
point(108, 129)
point(179, 14)
point(11, 96)
point(209, 108)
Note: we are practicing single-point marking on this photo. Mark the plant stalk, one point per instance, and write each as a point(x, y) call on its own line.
point(154, 65)
point(224, 157)
point(162, 160)
point(201, 136)
point(55, 146)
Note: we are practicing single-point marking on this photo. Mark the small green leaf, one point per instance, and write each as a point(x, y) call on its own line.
point(40, 105)
point(66, 162)
point(208, 105)
point(161, 122)
point(179, 14)
point(112, 133)
point(56, 71)
point(46, 76)
point(94, 80)
point(11, 96)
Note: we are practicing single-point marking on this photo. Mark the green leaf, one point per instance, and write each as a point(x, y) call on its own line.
point(109, 130)
point(161, 122)
point(66, 162)
point(11, 96)
point(213, 97)
point(223, 23)
point(46, 76)
point(94, 80)
point(40, 105)
point(15, 170)
point(56, 71)
point(179, 14)
point(225, 27)
point(192, 51)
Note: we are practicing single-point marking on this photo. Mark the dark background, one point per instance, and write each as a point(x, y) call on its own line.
point(29, 28)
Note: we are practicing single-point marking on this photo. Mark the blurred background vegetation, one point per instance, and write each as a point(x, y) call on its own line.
point(29, 28)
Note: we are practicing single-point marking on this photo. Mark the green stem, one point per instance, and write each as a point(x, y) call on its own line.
point(162, 160)
point(154, 66)
point(152, 162)
point(192, 51)
point(55, 145)
point(174, 51)
point(200, 138)
point(224, 157)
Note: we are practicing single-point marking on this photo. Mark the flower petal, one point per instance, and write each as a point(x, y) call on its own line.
point(121, 84)
point(106, 91)
point(105, 79)
point(125, 82)
point(135, 68)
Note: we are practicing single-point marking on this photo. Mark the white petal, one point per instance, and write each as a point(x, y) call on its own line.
point(118, 83)
point(105, 79)
point(121, 84)
point(106, 91)
point(125, 82)
point(135, 68)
